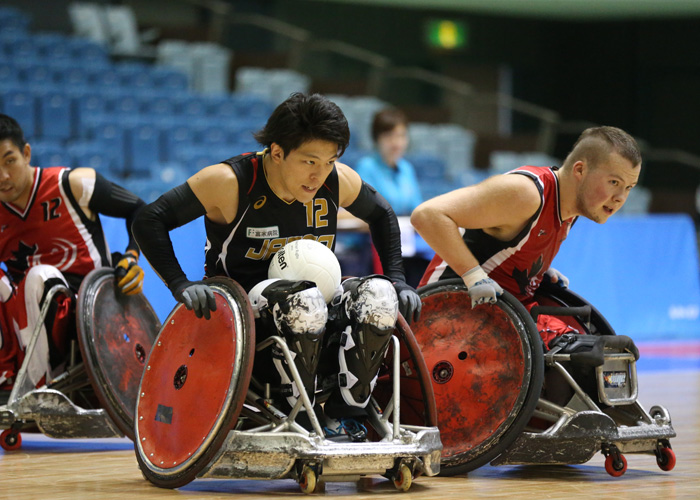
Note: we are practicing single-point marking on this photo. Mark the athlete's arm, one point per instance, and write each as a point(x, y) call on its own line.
point(213, 192)
point(202, 194)
point(365, 203)
point(501, 206)
point(97, 195)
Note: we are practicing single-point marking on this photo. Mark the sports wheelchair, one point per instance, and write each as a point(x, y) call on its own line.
point(95, 396)
point(502, 399)
point(201, 414)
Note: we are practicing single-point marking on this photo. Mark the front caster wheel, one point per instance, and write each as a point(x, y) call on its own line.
point(403, 478)
point(615, 466)
point(10, 440)
point(665, 458)
point(308, 480)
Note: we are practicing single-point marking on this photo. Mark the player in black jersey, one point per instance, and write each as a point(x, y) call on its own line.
point(253, 205)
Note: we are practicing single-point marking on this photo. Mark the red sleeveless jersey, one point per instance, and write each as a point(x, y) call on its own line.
point(52, 229)
point(517, 265)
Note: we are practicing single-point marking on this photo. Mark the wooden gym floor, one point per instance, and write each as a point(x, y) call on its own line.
point(46, 468)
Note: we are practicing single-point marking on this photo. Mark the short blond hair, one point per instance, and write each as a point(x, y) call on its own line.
point(596, 143)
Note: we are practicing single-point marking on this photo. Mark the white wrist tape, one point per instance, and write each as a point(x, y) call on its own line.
point(473, 276)
point(5, 288)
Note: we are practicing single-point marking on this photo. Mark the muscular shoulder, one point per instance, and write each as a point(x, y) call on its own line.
point(216, 187)
point(349, 184)
point(76, 178)
point(520, 189)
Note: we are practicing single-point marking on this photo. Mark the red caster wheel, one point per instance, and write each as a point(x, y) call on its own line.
point(665, 458)
point(11, 440)
point(615, 468)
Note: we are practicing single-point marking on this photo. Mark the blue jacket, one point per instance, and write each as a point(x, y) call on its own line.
point(399, 186)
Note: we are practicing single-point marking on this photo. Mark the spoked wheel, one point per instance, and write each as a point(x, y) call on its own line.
point(11, 440)
point(194, 385)
point(115, 333)
point(486, 366)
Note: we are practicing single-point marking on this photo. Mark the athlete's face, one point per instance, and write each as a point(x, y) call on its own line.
point(392, 144)
point(15, 172)
point(304, 170)
point(604, 189)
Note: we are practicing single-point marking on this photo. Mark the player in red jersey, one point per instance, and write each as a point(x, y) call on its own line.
point(514, 223)
point(50, 233)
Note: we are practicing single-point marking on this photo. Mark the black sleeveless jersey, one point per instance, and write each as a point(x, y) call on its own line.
point(265, 223)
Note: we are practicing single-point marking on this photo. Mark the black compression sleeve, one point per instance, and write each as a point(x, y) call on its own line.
point(113, 200)
point(153, 224)
point(371, 207)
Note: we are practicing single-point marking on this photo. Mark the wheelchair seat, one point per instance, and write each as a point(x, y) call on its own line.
point(94, 397)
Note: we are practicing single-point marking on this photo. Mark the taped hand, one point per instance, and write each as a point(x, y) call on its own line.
point(557, 277)
point(409, 301)
point(480, 287)
point(129, 274)
point(197, 297)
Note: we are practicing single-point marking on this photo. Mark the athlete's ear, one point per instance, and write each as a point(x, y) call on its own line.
point(579, 168)
point(27, 152)
point(276, 152)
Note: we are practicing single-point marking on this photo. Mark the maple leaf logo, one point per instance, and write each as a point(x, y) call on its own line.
point(20, 263)
point(524, 278)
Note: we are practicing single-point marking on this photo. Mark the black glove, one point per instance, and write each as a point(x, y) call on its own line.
point(409, 301)
point(196, 296)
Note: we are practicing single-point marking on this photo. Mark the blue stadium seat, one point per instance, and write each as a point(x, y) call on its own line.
point(52, 46)
point(192, 106)
point(34, 71)
point(195, 157)
point(125, 104)
point(50, 154)
point(214, 136)
point(55, 115)
point(428, 167)
point(20, 105)
point(9, 76)
point(93, 155)
point(111, 137)
point(175, 135)
point(89, 109)
point(252, 106)
point(88, 52)
point(14, 19)
point(159, 107)
point(134, 75)
point(143, 143)
point(169, 79)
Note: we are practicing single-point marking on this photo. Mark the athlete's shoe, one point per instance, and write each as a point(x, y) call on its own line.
point(342, 427)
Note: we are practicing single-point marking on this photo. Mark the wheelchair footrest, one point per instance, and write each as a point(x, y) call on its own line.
point(272, 455)
point(58, 417)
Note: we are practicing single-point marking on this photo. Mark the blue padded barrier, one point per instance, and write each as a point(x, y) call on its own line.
point(641, 272)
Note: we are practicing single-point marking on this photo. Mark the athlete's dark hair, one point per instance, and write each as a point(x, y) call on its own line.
point(10, 129)
point(303, 118)
point(387, 120)
point(596, 143)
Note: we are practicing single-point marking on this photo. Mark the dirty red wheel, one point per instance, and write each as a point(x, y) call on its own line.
point(486, 367)
point(193, 387)
point(616, 467)
point(10, 440)
point(665, 459)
